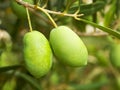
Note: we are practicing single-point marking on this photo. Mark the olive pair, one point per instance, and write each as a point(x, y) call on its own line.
point(66, 45)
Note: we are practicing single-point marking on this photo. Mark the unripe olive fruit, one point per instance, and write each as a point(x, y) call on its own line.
point(68, 47)
point(10, 84)
point(115, 55)
point(37, 53)
point(9, 58)
point(20, 10)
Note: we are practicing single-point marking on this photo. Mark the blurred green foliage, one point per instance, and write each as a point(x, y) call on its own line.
point(99, 74)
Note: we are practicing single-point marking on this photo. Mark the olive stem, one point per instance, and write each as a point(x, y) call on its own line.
point(46, 10)
point(69, 3)
point(51, 19)
point(45, 4)
point(29, 20)
point(63, 14)
point(38, 2)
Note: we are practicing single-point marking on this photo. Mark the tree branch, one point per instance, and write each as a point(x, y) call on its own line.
point(25, 4)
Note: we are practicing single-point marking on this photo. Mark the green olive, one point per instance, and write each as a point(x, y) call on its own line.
point(20, 10)
point(8, 58)
point(68, 47)
point(37, 53)
point(10, 84)
point(115, 55)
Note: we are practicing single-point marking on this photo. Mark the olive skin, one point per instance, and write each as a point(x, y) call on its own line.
point(115, 55)
point(37, 53)
point(68, 47)
point(9, 58)
point(20, 10)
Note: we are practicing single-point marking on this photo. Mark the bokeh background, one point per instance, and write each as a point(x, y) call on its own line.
point(103, 69)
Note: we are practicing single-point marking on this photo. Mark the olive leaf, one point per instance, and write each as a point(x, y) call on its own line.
point(118, 8)
point(7, 68)
point(105, 29)
point(110, 14)
point(89, 9)
point(29, 79)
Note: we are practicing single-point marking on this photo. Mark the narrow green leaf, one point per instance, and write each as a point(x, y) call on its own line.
point(118, 8)
point(109, 16)
point(105, 29)
point(59, 4)
point(29, 79)
point(91, 8)
point(88, 9)
point(7, 68)
point(89, 86)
